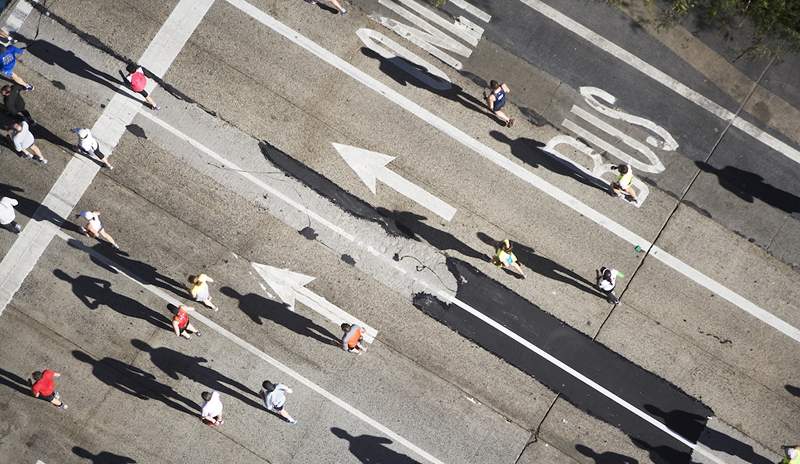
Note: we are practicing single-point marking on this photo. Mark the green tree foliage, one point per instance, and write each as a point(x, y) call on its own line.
point(775, 23)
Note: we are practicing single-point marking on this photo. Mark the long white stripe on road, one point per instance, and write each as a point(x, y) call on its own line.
point(662, 78)
point(80, 172)
point(196, 315)
point(518, 171)
point(586, 380)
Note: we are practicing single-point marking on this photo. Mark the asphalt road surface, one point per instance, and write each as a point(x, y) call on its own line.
point(325, 168)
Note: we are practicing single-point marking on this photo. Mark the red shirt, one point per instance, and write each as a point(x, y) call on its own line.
point(46, 385)
point(182, 318)
point(138, 81)
point(354, 336)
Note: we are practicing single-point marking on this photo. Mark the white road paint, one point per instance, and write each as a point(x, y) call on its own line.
point(370, 166)
point(80, 172)
point(18, 16)
point(290, 287)
point(253, 179)
point(662, 78)
point(514, 169)
point(473, 10)
point(199, 317)
point(470, 35)
point(577, 375)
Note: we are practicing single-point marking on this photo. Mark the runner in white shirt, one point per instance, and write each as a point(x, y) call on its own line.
point(7, 215)
point(212, 409)
point(94, 228)
point(89, 146)
point(606, 281)
point(274, 396)
point(23, 141)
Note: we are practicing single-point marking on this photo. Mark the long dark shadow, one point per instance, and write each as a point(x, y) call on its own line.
point(405, 72)
point(530, 152)
point(413, 226)
point(28, 207)
point(371, 449)
point(103, 457)
point(94, 293)
point(792, 389)
point(682, 420)
point(750, 186)
point(136, 382)
point(15, 382)
point(259, 309)
point(606, 457)
point(546, 267)
point(175, 364)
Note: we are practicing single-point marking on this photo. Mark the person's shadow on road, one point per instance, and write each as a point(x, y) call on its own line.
point(530, 152)
point(136, 382)
point(690, 424)
point(94, 293)
point(259, 308)
point(174, 364)
point(15, 382)
point(371, 449)
point(605, 458)
point(28, 207)
point(412, 225)
point(70, 62)
point(405, 72)
point(103, 457)
point(749, 186)
point(545, 267)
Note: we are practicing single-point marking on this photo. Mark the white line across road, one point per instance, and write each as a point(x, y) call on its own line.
point(662, 78)
point(252, 349)
point(80, 172)
point(516, 170)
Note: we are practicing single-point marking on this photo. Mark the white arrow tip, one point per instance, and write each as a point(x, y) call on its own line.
point(282, 281)
point(367, 164)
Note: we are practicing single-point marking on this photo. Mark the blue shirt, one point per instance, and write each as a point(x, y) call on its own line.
point(9, 58)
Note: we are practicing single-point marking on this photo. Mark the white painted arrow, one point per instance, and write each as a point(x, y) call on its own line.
point(290, 287)
point(370, 166)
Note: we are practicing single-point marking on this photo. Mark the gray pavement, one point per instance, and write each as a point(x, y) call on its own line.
point(241, 169)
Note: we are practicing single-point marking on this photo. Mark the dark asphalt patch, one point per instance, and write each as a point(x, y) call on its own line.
point(348, 259)
point(325, 187)
point(644, 390)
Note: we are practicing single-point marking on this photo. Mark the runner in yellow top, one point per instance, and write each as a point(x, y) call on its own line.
point(622, 186)
point(504, 257)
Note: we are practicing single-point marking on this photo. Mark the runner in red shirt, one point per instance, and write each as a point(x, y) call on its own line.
point(353, 335)
point(137, 80)
point(44, 387)
point(181, 324)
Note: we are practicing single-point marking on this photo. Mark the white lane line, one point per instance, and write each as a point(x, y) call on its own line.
point(80, 172)
point(586, 380)
point(253, 179)
point(252, 349)
point(518, 171)
point(473, 10)
point(662, 78)
point(17, 17)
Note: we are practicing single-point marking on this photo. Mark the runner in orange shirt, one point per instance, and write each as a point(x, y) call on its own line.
point(353, 335)
point(181, 325)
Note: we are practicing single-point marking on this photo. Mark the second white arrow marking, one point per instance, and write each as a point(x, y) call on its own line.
point(370, 166)
point(290, 287)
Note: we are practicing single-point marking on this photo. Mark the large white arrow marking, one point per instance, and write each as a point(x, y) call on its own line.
point(370, 166)
point(290, 287)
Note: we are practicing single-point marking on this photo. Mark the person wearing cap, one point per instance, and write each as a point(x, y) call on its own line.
point(353, 335)
point(137, 81)
point(8, 216)
point(504, 257)
point(94, 228)
point(200, 291)
point(274, 396)
point(89, 146)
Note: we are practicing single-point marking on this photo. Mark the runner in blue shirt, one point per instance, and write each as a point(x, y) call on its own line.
point(496, 99)
point(8, 59)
